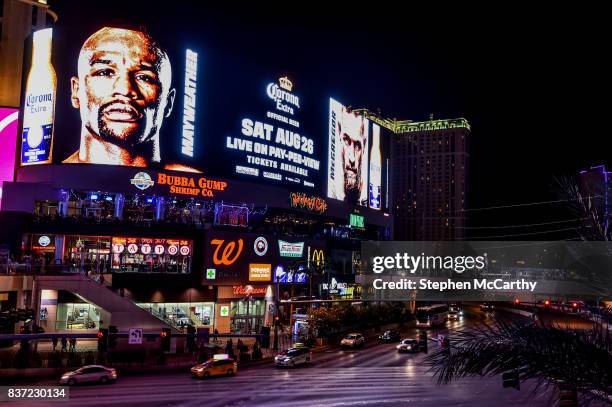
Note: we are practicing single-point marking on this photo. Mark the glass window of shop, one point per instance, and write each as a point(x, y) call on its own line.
point(89, 253)
point(145, 255)
point(77, 316)
point(247, 316)
point(198, 314)
point(46, 208)
point(93, 205)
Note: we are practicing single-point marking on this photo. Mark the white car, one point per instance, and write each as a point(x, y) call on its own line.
point(408, 345)
point(293, 357)
point(353, 340)
point(89, 374)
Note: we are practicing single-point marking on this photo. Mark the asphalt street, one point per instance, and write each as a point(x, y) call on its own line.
point(376, 375)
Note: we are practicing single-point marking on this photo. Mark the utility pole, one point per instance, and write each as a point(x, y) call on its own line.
point(291, 306)
point(276, 313)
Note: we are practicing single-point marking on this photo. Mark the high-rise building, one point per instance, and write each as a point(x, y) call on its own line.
point(429, 181)
point(429, 166)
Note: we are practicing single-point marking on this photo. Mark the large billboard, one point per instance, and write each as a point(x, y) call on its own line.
point(358, 165)
point(164, 100)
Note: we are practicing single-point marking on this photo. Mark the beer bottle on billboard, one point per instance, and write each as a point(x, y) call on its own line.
point(39, 103)
point(375, 169)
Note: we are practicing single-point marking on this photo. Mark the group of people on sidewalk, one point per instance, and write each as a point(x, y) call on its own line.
point(65, 343)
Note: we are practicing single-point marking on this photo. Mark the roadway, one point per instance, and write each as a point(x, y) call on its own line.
point(373, 376)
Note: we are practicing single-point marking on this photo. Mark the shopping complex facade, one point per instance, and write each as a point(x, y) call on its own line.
point(216, 262)
point(131, 200)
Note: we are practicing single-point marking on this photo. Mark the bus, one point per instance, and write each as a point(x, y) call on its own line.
point(431, 315)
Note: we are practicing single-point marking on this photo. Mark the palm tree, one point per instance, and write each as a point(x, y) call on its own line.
point(594, 226)
point(549, 355)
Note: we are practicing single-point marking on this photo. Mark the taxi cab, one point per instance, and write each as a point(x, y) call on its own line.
point(219, 365)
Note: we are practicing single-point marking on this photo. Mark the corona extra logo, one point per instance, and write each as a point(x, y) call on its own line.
point(285, 83)
point(318, 257)
point(229, 255)
point(142, 181)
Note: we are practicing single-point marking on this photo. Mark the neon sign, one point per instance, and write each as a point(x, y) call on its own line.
point(191, 75)
point(311, 203)
point(248, 290)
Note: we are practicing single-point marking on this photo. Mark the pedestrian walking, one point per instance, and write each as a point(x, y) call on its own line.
point(64, 344)
point(54, 342)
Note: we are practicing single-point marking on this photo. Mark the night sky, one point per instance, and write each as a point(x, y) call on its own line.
point(533, 83)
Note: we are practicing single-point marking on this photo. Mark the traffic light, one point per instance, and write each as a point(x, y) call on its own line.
point(517, 301)
point(265, 339)
point(446, 342)
point(511, 379)
point(546, 303)
point(574, 305)
point(102, 339)
point(568, 396)
point(191, 340)
point(277, 321)
point(112, 336)
point(165, 339)
point(423, 341)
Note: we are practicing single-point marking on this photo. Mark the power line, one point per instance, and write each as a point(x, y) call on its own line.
point(522, 234)
point(521, 226)
point(526, 204)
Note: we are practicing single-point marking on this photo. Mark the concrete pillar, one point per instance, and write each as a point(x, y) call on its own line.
point(63, 203)
point(269, 303)
point(48, 300)
point(59, 248)
point(119, 201)
point(159, 209)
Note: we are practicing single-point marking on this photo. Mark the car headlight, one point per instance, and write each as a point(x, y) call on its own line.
point(65, 376)
point(199, 369)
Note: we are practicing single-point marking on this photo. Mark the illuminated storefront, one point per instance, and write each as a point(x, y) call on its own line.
point(146, 255)
point(243, 308)
point(43, 244)
point(62, 311)
point(73, 316)
point(198, 314)
point(91, 253)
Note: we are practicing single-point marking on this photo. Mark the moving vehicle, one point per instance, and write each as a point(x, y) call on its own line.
point(486, 306)
point(353, 340)
point(219, 365)
point(408, 345)
point(454, 312)
point(293, 357)
point(390, 336)
point(89, 374)
point(433, 315)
